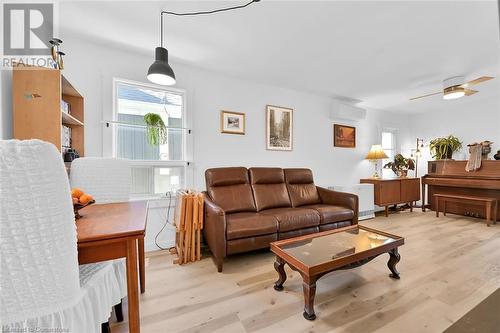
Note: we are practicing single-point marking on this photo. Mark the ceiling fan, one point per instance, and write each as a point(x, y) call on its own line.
point(456, 87)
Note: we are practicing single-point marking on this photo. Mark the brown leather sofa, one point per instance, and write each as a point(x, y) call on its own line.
point(246, 209)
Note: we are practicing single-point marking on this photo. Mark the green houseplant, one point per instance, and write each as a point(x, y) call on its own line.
point(443, 148)
point(401, 165)
point(156, 129)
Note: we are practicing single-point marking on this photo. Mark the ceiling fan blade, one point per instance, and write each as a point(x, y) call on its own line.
point(436, 93)
point(476, 81)
point(469, 92)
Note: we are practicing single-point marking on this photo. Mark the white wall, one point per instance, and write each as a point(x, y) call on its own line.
point(470, 119)
point(5, 103)
point(91, 68)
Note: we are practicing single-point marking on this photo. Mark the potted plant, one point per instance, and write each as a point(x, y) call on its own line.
point(401, 165)
point(443, 148)
point(156, 129)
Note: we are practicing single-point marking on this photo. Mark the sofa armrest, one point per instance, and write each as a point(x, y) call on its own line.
point(343, 199)
point(215, 228)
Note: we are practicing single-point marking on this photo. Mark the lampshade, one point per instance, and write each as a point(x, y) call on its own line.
point(454, 92)
point(160, 71)
point(376, 153)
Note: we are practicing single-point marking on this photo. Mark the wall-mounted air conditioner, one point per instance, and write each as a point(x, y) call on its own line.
point(365, 195)
point(344, 111)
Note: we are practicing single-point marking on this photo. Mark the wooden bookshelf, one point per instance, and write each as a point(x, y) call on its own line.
point(36, 97)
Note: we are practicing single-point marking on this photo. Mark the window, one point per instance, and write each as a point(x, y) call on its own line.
point(156, 169)
point(389, 147)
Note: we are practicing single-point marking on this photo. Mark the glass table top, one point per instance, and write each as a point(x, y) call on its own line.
point(321, 249)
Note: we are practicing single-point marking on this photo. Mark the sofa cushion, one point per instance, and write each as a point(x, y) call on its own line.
point(230, 189)
point(241, 225)
point(336, 225)
point(250, 243)
point(294, 218)
point(331, 214)
point(301, 187)
point(297, 233)
point(269, 189)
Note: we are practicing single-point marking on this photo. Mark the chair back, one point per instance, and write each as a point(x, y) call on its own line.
point(108, 180)
point(38, 244)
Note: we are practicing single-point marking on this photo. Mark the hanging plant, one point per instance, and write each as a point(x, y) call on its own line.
point(156, 129)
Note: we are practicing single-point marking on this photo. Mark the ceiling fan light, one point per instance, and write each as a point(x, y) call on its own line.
point(454, 92)
point(160, 71)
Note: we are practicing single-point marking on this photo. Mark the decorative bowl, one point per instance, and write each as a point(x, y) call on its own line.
point(78, 206)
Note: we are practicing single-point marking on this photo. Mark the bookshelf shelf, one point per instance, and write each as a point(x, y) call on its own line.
point(69, 120)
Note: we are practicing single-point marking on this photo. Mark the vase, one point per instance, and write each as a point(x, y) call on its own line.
point(402, 173)
point(485, 151)
point(497, 156)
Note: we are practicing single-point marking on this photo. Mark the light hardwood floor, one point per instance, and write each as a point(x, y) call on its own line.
point(448, 265)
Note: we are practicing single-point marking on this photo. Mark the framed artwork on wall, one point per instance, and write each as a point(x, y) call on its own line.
point(279, 128)
point(232, 122)
point(344, 136)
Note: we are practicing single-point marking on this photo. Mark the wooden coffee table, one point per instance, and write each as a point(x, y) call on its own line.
point(318, 254)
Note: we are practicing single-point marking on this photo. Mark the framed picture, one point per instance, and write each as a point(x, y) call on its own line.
point(279, 128)
point(232, 122)
point(344, 136)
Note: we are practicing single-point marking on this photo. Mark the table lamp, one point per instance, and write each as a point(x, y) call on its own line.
point(376, 153)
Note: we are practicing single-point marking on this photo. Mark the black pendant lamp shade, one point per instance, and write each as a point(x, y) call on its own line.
point(160, 71)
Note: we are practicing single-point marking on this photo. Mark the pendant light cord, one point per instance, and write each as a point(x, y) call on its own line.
point(209, 11)
point(199, 13)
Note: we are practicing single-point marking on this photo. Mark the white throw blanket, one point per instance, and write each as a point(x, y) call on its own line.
point(474, 162)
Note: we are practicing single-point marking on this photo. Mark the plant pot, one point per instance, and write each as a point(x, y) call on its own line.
point(402, 173)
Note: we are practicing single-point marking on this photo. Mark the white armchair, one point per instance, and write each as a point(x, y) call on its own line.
point(41, 284)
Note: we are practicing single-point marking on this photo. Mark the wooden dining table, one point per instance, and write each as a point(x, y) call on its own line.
point(113, 231)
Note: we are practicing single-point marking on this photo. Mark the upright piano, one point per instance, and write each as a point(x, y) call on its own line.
point(450, 177)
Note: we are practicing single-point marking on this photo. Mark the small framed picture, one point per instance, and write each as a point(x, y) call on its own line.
point(344, 136)
point(279, 128)
point(232, 122)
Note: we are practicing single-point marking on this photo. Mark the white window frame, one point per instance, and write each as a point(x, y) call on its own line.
point(395, 149)
point(154, 163)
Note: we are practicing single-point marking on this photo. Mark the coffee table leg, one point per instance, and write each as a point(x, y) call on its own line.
point(309, 286)
point(393, 260)
point(279, 266)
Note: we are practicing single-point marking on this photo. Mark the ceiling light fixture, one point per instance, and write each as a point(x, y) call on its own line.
point(453, 92)
point(160, 71)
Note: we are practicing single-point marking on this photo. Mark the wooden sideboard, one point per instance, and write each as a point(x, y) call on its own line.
point(393, 191)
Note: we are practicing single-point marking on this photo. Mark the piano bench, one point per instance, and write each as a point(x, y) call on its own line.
point(490, 204)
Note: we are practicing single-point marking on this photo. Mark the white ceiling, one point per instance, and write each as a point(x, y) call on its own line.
point(378, 53)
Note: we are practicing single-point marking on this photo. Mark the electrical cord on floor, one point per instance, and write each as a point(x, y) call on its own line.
point(167, 221)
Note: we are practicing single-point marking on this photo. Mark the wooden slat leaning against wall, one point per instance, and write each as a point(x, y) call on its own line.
point(188, 219)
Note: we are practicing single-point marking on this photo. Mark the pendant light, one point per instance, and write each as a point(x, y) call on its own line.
point(160, 71)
